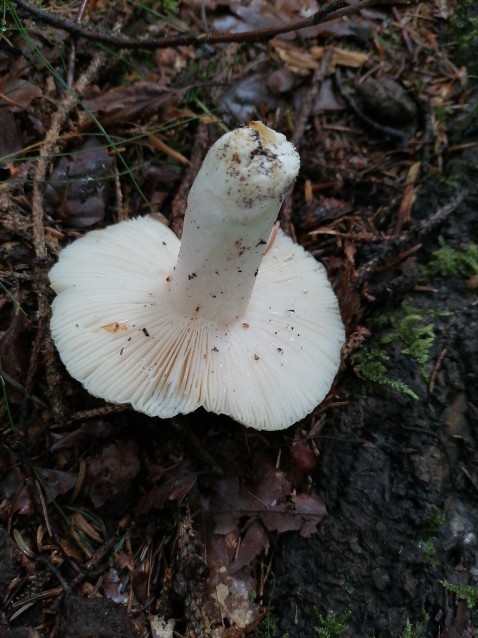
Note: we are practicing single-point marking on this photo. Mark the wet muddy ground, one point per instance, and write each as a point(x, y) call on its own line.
point(362, 520)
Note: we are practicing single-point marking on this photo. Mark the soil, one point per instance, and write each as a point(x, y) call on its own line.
point(112, 524)
point(388, 464)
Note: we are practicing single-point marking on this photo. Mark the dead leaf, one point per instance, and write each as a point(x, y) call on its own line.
point(132, 102)
point(245, 99)
point(112, 473)
point(17, 93)
point(387, 100)
point(254, 541)
point(14, 351)
point(175, 484)
point(77, 189)
point(113, 587)
point(409, 196)
point(86, 433)
point(56, 482)
point(312, 511)
point(10, 142)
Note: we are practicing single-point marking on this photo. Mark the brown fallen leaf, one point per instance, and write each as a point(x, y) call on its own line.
point(83, 435)
point(10, 141)
point(78, 186)
point(255, 540)
point(130, 103)
point(56, 482)
point(175, 485)
point(17, 93)
point(409, 196)
point(111, 473)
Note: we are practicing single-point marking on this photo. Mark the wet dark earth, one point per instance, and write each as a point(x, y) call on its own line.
point(400, 480)
point(362, 520)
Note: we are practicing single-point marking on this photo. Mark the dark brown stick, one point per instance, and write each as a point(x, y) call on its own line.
point(334, 10)
point(415, 233)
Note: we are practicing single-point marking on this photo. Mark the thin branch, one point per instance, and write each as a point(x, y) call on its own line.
point(334, 10)
point(417, 232)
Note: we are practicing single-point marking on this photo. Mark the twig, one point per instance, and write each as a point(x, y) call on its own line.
point(66, 105)
point(334, 10)
point(71, 62)
point(43, 560)
point(46, 151)
point(32, 368)
point(94, 561)
point(304, 114)
point(436, 370)
point(417, 232)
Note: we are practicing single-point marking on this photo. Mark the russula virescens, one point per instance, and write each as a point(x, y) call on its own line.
point(239, 324)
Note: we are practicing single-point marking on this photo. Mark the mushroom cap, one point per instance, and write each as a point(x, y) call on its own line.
point(118, 333)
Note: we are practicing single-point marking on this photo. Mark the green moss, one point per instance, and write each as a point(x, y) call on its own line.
point(428, 552)
point(464, 38)
point(332, 625)
point(415, 336)
point(171, 6)
point(417, 631)
point(410, 329)
point(269, 627)
point(465, 592)
point(369, 364)
point(448, 262)
point(432, 525)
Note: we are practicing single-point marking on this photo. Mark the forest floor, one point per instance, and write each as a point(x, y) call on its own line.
point(359, 521)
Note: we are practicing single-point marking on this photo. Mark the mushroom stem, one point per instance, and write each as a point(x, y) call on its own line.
point(232, 207)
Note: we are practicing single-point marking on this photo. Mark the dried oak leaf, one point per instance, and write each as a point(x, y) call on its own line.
point(271, 500)
point(142, 99)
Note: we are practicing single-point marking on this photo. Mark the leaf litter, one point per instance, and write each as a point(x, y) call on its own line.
point(129, 515)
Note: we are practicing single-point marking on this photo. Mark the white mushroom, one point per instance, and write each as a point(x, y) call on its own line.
point(224, 326)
